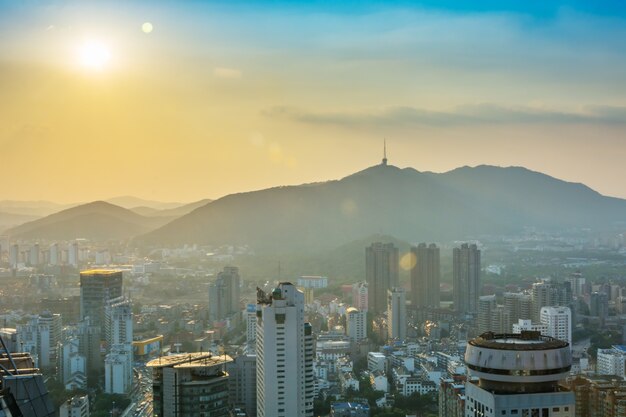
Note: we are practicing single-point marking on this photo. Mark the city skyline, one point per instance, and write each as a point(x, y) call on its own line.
point(173, 96)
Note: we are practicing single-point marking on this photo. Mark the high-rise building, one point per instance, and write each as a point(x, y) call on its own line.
point(558, 321)
point(55, 255)
point(97, 288)
point(466, 278)
point(452, 396)
point(72, 254)
point(519, 306)
point(284, 351)
point(360, 296)
point(518, 375)
point(250, 317)
point(486, 306)
point(356, 324)
point(425, 276)
point(232, 281)
point(381, 274)
point(118, 321)
point(39, 337)
point(118, 369)
point(224, 294)
point(599, 305)
point(190, 384)
point(14, 255)
point(548, 294)
point(90, 336)
point(34, 255)
point(396, 313)
point(577, 283)
point(242, 383)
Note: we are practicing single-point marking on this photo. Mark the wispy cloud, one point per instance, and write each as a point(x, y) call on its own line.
point(462, 115)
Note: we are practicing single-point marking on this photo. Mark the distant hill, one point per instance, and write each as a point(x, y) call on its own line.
point(32, 208)
point(171, 213)
point(411, 205)
point(128, 202)
point(8, 220)
point(98, 220)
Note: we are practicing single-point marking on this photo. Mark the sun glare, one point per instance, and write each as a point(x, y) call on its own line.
point(94, 55)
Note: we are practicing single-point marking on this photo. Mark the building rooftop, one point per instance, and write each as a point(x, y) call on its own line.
point(89, 272)
point(189, 360)
point(526, 340)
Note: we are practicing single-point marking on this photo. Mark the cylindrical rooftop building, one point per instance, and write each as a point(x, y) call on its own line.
point(518, 375)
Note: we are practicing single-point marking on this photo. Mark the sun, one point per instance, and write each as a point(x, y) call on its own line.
point(94, 55)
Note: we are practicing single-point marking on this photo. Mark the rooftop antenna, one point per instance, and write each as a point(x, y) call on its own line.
point(384, 152)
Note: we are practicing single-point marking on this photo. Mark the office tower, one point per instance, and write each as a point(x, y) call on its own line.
point(284, 351)
point(425, 276)
point(22, 380)
point(360, 296)
point(396, 313)
point(466, 278)
point(486, 307)
point(356, 324)
point(558, 321)
point(9, 336)
point(118, 321)
point(73, 254)
point(97, 288)
point(216, 301)
point(118, 369)
point(189, 385)
point(548, 294)
point(77, 406)
point(518, 375)
point(14, 255)
point(381, 274)
point(242, 383)
point(250, 317)
point(71, 365)
point(55, 256)
point(33, 255)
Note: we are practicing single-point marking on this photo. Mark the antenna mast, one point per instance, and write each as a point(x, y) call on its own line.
point(384, 152)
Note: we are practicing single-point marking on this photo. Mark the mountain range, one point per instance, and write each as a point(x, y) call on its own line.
point(384, 199)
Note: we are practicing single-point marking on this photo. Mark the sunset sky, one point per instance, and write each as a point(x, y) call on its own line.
point(213, 98)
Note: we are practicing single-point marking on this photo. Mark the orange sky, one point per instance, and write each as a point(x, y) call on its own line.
point(219, 100)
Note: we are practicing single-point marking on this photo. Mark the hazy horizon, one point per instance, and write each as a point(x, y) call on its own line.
point(212, 99)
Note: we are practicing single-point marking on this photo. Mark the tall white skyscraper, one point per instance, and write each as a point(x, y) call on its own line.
point(396, 313)
point(55, 258)
point(360, 296)
point(356, 324)
point(284, 350)
point(558, 321)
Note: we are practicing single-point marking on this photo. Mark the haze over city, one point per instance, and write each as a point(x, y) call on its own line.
point(312, 209)
point(182, 101)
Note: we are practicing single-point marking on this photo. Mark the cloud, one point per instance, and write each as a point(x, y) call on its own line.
point(222, 72)
point(476, 114)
